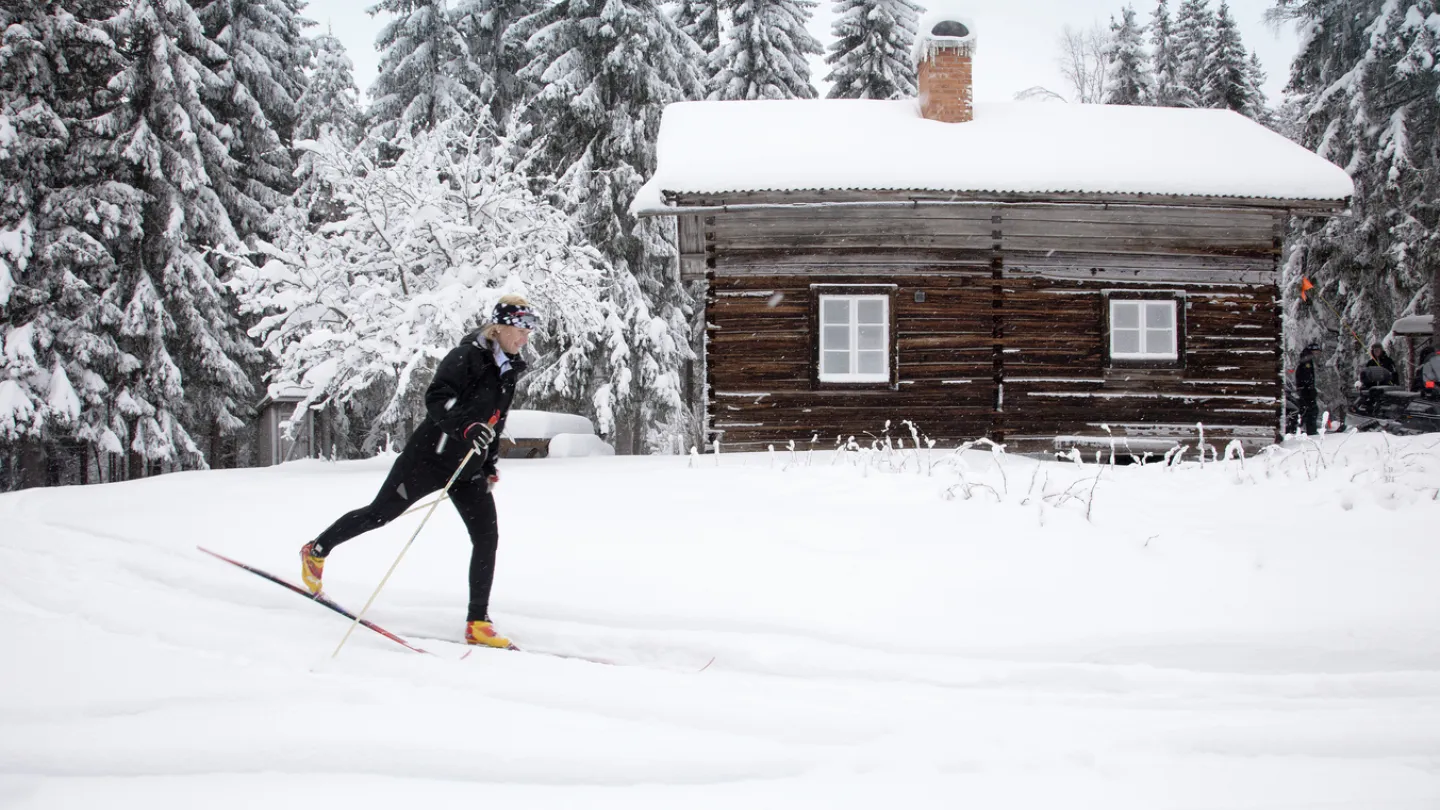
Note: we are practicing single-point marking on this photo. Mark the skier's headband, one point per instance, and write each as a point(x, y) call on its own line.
point(513, 315)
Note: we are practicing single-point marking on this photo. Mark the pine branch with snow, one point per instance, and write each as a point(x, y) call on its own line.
point(700, 19)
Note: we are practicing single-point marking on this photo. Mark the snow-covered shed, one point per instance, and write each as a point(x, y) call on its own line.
point(1017, 270)
point(274, 444)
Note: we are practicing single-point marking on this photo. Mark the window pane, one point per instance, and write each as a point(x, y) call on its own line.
point(834, 310)
point(1159, 315)
point(872, 338)
point(835, 363)
point(872, 362)
point(872, 311)
point(1125, 314)
point(1159, 341)
point(836, 337)
point(1125, 341)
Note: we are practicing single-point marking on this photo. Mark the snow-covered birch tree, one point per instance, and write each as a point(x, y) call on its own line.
point(870, 56)
point(361, 310)
point(1083, 61)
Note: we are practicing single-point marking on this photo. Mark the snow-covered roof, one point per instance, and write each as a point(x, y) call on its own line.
point(1414, 325)
point(285, 392)
point(1020, 148)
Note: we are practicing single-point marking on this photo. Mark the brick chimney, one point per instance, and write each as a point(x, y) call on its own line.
point(944, 47)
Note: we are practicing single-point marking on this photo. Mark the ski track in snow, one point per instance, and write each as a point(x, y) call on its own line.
point(873, 643)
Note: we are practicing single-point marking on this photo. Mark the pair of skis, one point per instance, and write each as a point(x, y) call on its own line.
point(321, 599)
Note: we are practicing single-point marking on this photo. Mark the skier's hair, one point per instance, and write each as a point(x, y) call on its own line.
point(487, 331)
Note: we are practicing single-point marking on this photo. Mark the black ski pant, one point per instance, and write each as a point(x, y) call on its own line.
point(410, 479)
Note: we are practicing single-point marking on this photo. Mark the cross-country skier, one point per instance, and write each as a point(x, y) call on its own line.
point(466, 405)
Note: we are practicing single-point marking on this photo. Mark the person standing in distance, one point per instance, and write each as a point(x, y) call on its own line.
point(1305, 384)
point(465, 407)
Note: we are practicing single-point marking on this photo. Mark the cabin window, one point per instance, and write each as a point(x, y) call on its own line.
point(854, 338)
point(1142, 329)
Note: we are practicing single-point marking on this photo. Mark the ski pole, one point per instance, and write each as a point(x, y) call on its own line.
point(443, 495)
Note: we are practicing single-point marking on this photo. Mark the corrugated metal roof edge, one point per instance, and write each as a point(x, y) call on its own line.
point(903, 190)
point(659, 204)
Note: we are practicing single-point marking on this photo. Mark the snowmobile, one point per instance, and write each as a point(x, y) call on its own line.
point(1392, 408)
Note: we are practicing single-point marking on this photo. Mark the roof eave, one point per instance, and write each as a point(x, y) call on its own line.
point(672, 203)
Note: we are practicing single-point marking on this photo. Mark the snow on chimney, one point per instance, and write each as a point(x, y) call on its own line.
point(944, 47)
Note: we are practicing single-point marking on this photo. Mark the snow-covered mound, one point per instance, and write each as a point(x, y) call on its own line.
point(888, 629)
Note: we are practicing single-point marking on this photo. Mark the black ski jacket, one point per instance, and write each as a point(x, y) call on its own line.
point(468, 387)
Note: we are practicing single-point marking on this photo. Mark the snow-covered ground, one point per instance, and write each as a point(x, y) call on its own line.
point(1256, 636)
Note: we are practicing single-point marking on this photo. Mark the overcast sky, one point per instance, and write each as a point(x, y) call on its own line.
point(1017, 39)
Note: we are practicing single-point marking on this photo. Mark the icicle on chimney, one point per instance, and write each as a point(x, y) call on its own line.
point(944, 49)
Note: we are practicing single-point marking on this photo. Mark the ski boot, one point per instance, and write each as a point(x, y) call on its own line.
point(483, 633)
point(312, 567)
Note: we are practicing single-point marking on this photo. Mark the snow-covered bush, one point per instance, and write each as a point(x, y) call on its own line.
point(360, 309)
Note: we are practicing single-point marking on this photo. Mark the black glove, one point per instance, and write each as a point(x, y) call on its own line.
point(481, 435)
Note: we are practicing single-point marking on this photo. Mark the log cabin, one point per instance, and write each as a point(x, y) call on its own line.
point(1046, 275)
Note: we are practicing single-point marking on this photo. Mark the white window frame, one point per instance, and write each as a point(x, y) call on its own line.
point(1143, 307)
point(883, 376)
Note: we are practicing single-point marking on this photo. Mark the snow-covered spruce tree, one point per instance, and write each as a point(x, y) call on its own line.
point(768, 51)
point(58, 209)
point(427, 72)
point(1255, 77)
point(1130, 82)
point(263, 76)
point(330, 98)
point(1193, 37)
point(605, 72)
point(1164, 59)
point(364, 308)
point(330, 103)
point(496, 54)
point(1227, 80)
point(1367, 86)
point(870, 57)
point(183, 373)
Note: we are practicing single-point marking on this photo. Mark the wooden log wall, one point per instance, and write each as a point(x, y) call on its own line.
point(1009, 340)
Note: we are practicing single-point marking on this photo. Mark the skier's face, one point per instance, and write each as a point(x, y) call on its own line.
point(512, 338)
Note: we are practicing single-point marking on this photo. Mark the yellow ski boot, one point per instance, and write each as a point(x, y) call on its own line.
point(483, 633)
point(312, 567)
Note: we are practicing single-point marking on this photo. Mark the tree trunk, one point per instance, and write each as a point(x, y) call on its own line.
point(33, 467)
point(1435, 303)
